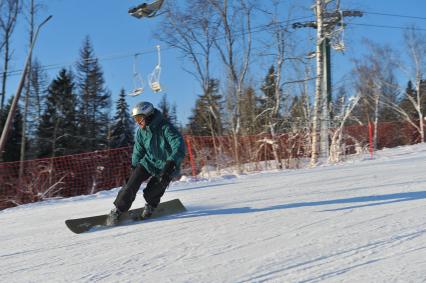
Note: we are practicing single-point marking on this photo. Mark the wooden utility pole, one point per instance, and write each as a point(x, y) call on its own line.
point(12, 110)
point(27, 93)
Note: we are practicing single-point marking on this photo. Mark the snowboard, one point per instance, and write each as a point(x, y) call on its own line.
point(80, 225)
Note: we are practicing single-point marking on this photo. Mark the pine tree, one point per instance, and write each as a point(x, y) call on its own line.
point(298, 117)
point(405, 104)
point(249, 112)
point(206, 118)
point(390, 94)
point(57, 132)
point(164, 107)
point(365, 86)
point(38, 92)
point(169, 112)
point(94, 103)
point(197, 122)
point(173, 115)
point(268, 89)
point(423, 96)
point(39, 86)
point(338, 105)
point(123, 125)
point(269, 108)
point(410, 91)
point(14, 138)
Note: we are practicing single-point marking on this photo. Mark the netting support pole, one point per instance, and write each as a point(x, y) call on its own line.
point(191, 156)
point(370, 135)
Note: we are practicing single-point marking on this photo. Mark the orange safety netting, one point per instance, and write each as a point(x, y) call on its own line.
point(88, 173)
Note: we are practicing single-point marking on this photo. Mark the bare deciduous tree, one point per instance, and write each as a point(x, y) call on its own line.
point(416, 47)
point(374, 76)
point(382, 61)
point(319, 7)
point(193, 31)
point(31, 14)
point(9, 10)
point(234, 47)
point(336, 149)
point(278, 44)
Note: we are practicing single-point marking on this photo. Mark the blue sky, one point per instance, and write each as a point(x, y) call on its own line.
point(116, 37)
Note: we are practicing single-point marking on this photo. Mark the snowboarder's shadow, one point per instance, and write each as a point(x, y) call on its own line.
point(363, 201)
point(197, 187)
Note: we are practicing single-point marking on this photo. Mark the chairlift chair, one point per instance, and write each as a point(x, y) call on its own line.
point(154, 77)
point(137, 79)
point(146, 10)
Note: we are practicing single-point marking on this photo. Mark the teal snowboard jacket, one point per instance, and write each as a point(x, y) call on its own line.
point(159, 142)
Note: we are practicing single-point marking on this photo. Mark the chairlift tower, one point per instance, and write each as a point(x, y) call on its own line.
point(329, 36)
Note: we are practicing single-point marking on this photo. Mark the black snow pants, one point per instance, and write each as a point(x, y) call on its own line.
point(152, 193)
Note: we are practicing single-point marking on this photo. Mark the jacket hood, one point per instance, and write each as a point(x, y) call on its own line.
point(155, 120)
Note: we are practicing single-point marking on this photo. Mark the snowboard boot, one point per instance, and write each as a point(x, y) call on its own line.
point(113, 217)
point(147, 211)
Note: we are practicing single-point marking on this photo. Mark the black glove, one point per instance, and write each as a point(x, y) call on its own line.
point(166, 174)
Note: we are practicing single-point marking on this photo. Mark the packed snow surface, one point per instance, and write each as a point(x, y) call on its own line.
point(359, 221)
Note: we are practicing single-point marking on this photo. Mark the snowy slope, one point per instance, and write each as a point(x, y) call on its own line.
point(361, 221)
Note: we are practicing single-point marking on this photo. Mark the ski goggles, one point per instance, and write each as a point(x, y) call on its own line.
point(140, 119)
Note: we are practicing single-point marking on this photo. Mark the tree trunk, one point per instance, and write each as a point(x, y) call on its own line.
point(27, 93)
point(5, 70)
point(419, 109)
point(376, 119)
point(318, 88)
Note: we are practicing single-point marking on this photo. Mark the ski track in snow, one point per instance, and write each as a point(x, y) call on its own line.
point(359, 221)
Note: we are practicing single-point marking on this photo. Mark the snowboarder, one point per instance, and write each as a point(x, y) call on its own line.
point(157, 154)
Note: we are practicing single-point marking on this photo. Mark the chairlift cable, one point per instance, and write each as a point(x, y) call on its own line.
point(254, 30)
point(395, 15)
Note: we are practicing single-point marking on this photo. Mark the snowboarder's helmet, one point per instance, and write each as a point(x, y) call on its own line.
point(143, 108)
